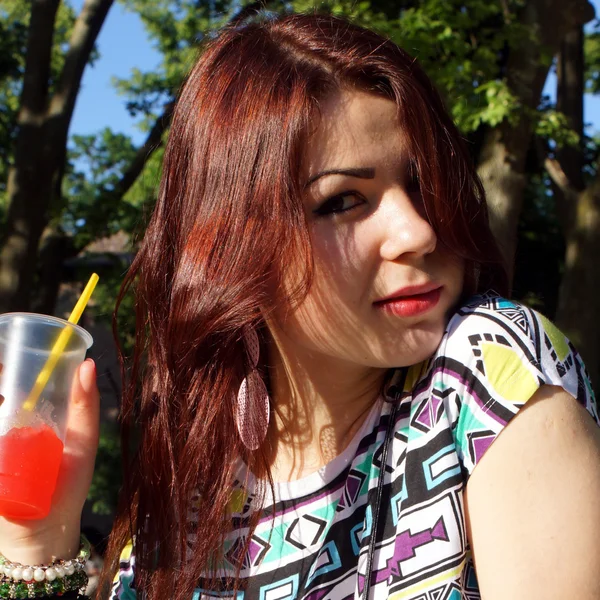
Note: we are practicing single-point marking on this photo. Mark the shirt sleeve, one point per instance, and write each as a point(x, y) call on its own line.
point(495, 355)
point(122, 588)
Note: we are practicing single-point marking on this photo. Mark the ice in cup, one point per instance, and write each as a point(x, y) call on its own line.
point(39, 356)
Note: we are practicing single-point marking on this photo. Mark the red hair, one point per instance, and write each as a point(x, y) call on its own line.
point(228, 219)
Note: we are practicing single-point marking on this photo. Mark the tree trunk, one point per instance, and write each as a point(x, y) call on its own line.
point(502, 171)
point(570, 74)
point(55, 249)
point(502, 159)
point(30, 178)
point(569, 101)
point(579, 309)
point(39, 166)
point(40, 146)
point(578, 312)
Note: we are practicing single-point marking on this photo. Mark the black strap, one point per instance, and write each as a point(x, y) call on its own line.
point(389, 436)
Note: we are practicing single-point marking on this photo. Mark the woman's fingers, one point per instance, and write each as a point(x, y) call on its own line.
point(81, 444)
point(81, 441)
point(84, 409)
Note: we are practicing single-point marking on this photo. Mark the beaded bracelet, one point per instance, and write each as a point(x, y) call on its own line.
point(60, 576)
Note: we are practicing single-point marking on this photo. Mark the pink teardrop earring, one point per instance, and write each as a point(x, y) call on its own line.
point(252, 409)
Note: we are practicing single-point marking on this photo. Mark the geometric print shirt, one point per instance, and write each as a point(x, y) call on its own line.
point(312, 540)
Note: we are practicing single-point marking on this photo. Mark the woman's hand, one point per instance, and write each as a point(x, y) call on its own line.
point(37, 542)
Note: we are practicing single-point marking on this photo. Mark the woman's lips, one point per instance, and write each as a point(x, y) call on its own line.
point(411, 306)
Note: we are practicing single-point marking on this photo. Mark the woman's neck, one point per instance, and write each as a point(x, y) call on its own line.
point(319, 404)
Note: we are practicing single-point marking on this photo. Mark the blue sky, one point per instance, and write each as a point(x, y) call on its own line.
point(123, 45)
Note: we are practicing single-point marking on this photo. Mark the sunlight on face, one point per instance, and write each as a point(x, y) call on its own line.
point(371, 240)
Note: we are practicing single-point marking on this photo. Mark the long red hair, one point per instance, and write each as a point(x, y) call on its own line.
point(228, 220)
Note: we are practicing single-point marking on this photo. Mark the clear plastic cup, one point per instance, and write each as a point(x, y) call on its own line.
point(32, 439)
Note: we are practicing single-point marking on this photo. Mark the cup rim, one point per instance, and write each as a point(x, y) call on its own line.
point(86, 335)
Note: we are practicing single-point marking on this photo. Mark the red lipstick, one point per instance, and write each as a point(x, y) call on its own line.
point(411, 301)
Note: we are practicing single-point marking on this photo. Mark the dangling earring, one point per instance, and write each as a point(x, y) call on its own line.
point(252, 409)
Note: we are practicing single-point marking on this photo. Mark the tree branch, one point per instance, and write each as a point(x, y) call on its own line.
point(153, 141)
point(504, 150)
point(37, 59)
point(561, 180)
point(85, 31)
point(594, 185)
point(154, 138)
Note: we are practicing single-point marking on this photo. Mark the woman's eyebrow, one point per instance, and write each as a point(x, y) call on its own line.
point(362, 173)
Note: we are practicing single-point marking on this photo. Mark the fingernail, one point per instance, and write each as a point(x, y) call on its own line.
point(87, 375)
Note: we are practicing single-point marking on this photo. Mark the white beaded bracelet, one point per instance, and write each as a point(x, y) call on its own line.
point(24, 581)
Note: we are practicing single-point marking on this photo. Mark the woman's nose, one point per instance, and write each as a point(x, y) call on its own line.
point(406, 230)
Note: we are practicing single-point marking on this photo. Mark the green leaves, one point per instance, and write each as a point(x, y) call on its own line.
point(107, 473)
point(463, 46)
point(90, 207)
point(498, 103)
point(554, 126)
point(176, 29)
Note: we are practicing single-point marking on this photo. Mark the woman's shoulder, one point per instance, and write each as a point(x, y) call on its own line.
point(489, 325)
point(495, 355)
point(511, 349)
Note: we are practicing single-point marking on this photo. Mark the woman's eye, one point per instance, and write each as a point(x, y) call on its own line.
point(339, 203)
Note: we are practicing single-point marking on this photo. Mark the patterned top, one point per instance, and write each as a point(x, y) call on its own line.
point(313, 539)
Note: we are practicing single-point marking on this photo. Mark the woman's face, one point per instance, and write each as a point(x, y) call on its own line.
point(383, 285)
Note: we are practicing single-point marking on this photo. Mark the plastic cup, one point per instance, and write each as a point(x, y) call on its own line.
point(32, 439)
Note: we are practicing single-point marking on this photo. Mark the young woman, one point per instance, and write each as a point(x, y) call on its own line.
point(322, 369)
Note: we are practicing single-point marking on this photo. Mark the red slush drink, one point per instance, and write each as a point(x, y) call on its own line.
point(29, 462)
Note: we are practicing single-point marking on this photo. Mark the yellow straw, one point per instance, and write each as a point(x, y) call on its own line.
point(60, 345)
